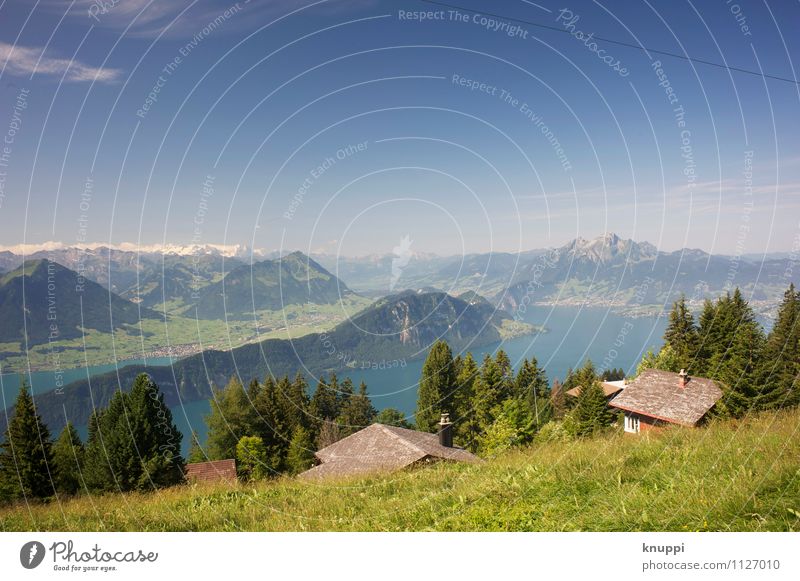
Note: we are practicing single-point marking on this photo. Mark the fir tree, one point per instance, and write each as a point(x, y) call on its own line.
point(26, 456)
point(68, 461)
point(252, 462)
point(232, 416)
point(392, 417)
point(707, 338)
point(357, 412)
point(778, 375)
point(491, 389)
point(196, 453)
point(300, 456)
point(437, 387)
point(531, 386)
point(591, 411)
point(155, 435)
point(681, 334)
point(324, 407)
point(466, 427)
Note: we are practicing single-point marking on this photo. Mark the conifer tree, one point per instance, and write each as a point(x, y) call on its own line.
point(778, 375)
point(112, 462)
point(300, 456)
point(491, 389)
point(681, 334)
point(68, 461)
point(252, 461)
point(531, 386)
point(135, 443)
point(591, 411)
point(392, 417)
point(324, 407)
point(466, 426)
point(357, 412)
point(26, 456)
point(707, 338)
point(737, 344)
point(437, 387)
point(196, 453)
point(156, 437)
point(232, 416)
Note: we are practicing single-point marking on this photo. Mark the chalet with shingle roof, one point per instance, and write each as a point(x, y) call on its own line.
point(381, 448)
point(656, 398)
point(218, 470)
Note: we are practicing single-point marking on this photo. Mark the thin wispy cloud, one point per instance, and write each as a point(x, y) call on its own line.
point(33, 61)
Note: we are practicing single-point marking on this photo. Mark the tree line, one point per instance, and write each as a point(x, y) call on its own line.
point(757, 371)
point(133, 444)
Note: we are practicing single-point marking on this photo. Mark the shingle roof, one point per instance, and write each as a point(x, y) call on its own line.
point(610, 388)
point(380, 448)
point(211, 471)
point(658, 394)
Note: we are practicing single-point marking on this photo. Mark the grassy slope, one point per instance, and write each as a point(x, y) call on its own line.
point(739, 476)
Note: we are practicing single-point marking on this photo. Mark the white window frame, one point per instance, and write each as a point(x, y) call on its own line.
point(632, 423)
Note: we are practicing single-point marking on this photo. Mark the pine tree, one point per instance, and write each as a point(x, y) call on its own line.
point(26, 456)
point(155, 435)
point(135, 443)
point(324, 407)
point(252, 461)
point(232, 416)
point(681, 334)
point(68, 461)
point(491, 389)
point(737, 351)
point(300, 456)
point(591, 411)
point(269, 422)
point(532, 387)
point(707, 340)
point(196, 453)
point(357, 413)
point(778, 375)
point(437, 387)
point(112, 462)
point(392, 417)
point(466, 427)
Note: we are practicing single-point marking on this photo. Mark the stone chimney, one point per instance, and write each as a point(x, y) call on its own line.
point(683, 378)
point(445, 431)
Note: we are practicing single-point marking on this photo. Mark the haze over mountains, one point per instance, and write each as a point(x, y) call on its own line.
point(606, 270)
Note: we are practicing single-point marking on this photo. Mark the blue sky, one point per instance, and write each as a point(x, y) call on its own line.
point(343, 126)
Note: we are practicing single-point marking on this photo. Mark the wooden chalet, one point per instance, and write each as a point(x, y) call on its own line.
point(381, 448)
point(656, 398)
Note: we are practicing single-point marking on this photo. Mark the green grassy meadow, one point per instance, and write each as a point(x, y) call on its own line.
point(739, 475)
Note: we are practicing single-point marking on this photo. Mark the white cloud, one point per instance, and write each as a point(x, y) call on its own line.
point(29, 61)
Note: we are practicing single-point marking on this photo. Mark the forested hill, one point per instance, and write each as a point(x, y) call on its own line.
point(402, 326)
point(46, 301)
point(271, 284)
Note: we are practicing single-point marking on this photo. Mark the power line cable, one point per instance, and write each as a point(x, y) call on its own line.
point(617, 42)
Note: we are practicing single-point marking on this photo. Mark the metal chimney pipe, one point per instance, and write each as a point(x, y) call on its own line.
point(445, 431)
